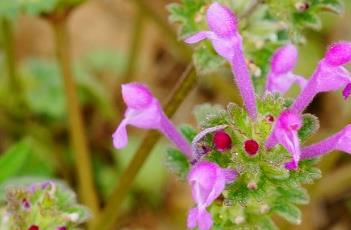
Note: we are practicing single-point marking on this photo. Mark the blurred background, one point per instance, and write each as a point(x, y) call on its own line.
point(116, 41)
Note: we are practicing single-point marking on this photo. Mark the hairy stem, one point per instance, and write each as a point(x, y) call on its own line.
point(77, 132)
point(111, 211)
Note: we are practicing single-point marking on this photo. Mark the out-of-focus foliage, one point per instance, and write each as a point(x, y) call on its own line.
point(47, 204)
point(12, 8)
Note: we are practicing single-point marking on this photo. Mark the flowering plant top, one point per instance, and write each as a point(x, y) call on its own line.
point(247, 164)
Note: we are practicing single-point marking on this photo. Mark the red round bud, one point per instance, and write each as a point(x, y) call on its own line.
point(33, 227)
point(251, 147)
point(222, 141)
point(269, 118)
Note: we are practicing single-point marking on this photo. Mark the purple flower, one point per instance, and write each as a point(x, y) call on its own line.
point(227, 42)
point(207, 181)
point(340, 141)
point(285, 132)
point(281, 77)
point(329, 76)
point(144, 111)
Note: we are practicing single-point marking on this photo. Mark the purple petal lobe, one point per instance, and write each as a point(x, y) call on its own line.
point(285, 132)
point(280, 78)
point(199, 37)
point(339, 54)
point(136, 96)
point(284, 59)
point(291, 165)
point(207, 181)
point(221, 20)
point(347, 91)
point(230, 175)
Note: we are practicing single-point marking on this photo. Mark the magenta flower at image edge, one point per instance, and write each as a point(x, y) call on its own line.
point(329, 75)
point(207, 181)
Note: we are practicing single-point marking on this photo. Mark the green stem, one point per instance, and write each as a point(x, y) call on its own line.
point(134, 47)
point(77, 132)
point(9, 49)
point(183, 51)
point(111, 211)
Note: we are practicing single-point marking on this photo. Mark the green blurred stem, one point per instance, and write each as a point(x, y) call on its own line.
point(110, 213)
point(134, 47)
point(166, 30)
point(9, 49)
point(77, 132)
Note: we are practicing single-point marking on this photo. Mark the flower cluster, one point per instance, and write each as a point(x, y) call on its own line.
point(215, 154)
point(32, 208)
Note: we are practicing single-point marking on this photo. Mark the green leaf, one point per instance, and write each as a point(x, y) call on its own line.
point(289, 212)
point(209, 115)
point(206, 60)
point(188, 132)
point(274, 172)
point(266, 223)
point(294, 194)
point(310, 125)
point(13, 160)
point(334, 6)
point(307, 19)
point(177, 162)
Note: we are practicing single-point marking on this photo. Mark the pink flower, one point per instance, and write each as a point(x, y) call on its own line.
point(340, 141)
point(227, 42)
point(285, 132)
point(281, 78)
point(207, 181)
point(144, 111)
point(329, 76)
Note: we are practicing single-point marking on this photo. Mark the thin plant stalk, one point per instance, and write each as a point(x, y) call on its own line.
point(77, 132)
point(182, 50)
point(134, 48)
point(10, 59)
point(110, 213)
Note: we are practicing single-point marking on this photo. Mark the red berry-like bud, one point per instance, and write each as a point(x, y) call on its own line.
point(33, 227)
point(222, 141)
point(251, 147)
point(269, 118)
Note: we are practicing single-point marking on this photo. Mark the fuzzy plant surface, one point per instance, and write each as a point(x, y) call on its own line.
point(246, 164)
point(39, 206)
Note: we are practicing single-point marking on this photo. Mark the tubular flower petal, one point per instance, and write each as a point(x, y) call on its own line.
point(329, 76)
point(340, 141)
point(144, 111)
point(207, 181)
point(280, 77)
point(228, 43)
point(285, 132)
